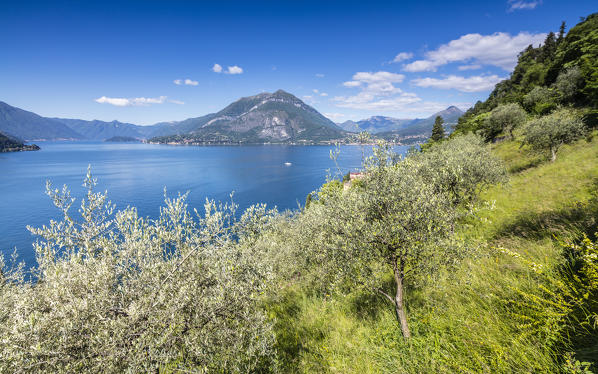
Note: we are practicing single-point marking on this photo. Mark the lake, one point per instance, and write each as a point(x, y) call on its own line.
point(135, 174)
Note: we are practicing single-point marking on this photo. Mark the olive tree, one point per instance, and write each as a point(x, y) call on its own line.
point(116, 292)
point(568, 84)
point(549, 133)
point(503, 118)
point(460, 169)
point(392, 222)
point(540, 100)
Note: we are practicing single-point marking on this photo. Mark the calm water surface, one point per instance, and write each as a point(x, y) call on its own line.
point(135, 174)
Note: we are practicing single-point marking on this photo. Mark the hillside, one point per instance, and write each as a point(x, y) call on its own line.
point(470, 317)
point(26, 125)
point(563, 71)
point(100, 130)
point(10, 145)
point(267, 117)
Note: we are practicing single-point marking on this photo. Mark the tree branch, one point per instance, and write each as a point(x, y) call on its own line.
point(386, 295)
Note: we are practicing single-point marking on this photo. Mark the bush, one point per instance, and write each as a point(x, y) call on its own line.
point(568, 84)
point(120, 293)
point(550, 132)
point(504, 118)
point(540, 100)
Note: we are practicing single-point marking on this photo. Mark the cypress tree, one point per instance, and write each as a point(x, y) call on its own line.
point(438, 129)
point(561, 36)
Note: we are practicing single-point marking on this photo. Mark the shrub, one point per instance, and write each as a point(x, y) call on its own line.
point(503, 118)
point(540, 100)
point(122, 293)
point(550, 132)
point(568, 84)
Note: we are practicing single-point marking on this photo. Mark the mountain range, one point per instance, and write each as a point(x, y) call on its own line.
point(400, 129)
point(277, 117)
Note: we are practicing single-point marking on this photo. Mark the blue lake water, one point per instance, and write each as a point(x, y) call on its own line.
point(135, 174)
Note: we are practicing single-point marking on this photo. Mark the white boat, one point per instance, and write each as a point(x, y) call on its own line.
point(287, 164)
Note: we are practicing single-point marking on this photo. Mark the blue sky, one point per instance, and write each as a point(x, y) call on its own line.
point(150, 61)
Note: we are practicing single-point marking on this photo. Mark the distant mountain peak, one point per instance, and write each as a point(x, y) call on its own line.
point(265, 117)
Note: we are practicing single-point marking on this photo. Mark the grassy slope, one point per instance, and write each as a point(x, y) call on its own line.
point(462, 322)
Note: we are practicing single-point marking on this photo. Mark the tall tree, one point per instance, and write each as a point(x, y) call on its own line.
point(438, 129)
point(561, 36)
point(549, 47)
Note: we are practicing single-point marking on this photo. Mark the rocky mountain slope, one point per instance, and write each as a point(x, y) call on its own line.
point(266, 117)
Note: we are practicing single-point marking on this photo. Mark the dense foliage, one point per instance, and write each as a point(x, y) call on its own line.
point(562, 71)
point(122, 293)
point(549, 133)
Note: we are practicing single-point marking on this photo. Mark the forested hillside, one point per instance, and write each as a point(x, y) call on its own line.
point(563, 71)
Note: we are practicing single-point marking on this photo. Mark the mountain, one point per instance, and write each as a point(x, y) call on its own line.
point(26, 125)
point(266, 117)
point(350, 126)
point(8, 144)
point(100, 130)
point(420, 129)
point(376, 124)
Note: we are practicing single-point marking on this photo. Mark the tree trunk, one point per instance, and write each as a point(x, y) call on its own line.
point(553, 152)
point(399, 301)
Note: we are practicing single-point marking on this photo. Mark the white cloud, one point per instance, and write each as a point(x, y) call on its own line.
point(315, 90)
point(319, 75)
point(403, 56)
point(377, 91)
point(352, 84)
point(499, 49)
point(178, 102)
point(234, 70)
point(523, 4)
point(217, 68)
point(323, 94)
point(137, 101)
point(187, 82)
point(377, 77)
point(334, 116)
point(368, 101)
point(471, 84)
point(470, 67)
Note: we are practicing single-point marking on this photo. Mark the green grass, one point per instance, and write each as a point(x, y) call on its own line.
point(464, 320)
